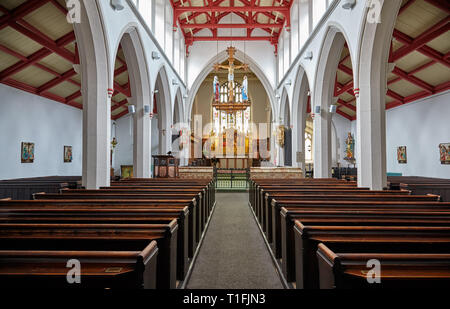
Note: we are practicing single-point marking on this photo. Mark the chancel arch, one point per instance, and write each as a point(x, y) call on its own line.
point(245, 125)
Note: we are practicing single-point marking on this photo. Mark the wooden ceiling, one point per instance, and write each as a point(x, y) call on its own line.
point(38, 50)
point(420, 50)
point(270, 16)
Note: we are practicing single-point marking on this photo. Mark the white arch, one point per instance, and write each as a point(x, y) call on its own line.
point(164, 106)
point(284, 107)
point(178, 109)
point(299, 115)
point(322, 96)
point(283, 119)
point(141, 95)
point(220, 58)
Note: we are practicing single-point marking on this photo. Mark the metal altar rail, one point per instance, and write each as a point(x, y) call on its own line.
point(233, 179)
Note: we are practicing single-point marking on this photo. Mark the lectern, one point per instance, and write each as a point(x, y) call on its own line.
point(166, 166)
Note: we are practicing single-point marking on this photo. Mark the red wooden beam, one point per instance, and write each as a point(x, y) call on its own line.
point(35, 57)
point(51, 45)
point(347, 104)
point(21, 11)
point(425, 50)
point(32, 59)
point(395, 96)
point(345, 115)
point(120, 70)
point(65, 76)
point(345, 88)
point(212, 9)
point(22, 86)
point(119, 104)
point(345, 69)
point(73, 96)
point(119, 115)
point(122, 89)
point(211, 25)
point(412, 79)
point(427, 36)
point(441, 4)
point(232, 38)
point(406, 5)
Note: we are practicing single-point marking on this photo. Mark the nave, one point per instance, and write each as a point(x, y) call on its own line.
point(180, 233)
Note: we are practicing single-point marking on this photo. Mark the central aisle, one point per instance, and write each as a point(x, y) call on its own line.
point(233, 254)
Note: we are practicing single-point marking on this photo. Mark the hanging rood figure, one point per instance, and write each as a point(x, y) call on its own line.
point(245, 89)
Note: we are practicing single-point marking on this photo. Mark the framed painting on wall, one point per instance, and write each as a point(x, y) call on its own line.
point(444, 153)
point(67, 154)
point(126, 171)
point(27, 152)
point(401, 154)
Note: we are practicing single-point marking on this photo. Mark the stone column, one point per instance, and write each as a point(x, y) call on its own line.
point(322, 144)
point(141, 141)
point(96, 101)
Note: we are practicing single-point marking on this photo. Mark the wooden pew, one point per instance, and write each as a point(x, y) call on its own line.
point(120, 216)
point(194, 209)
point(198, 194)
point(266, 211)
point(275, 185)
point(443, 189)
point(210, 195)
point(261, 189)
point(398, 270)
point(168, 186)
point(208, 204)
point(373, 203)
point(99, 269)
point(23, 188)
point(70, 236)
point(354, 238)
point(395, 181)
point(24, 191)
point(108, 207)
point(360, 217)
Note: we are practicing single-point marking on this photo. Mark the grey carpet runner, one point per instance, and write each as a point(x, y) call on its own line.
point(233, 254)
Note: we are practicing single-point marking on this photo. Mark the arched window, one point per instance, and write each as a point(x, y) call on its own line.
point(238, 120)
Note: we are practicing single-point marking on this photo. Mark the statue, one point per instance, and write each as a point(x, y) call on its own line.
point(245, 89)
point(350, 148)
point(216, 88)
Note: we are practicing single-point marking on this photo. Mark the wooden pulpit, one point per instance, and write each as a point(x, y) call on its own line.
point(166, 166)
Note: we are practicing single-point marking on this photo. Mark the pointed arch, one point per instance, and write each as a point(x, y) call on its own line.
point(285, 152)
point(323, 96)
point(222, 56)
point(162, 99)
point(300, 100)
point(139, 83)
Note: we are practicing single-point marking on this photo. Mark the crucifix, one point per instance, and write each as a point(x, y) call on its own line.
point(230, 67)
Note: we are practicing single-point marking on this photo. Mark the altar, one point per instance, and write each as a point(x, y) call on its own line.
point(234, 162)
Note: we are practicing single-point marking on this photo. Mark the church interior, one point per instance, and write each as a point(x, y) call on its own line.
point(225, 144)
